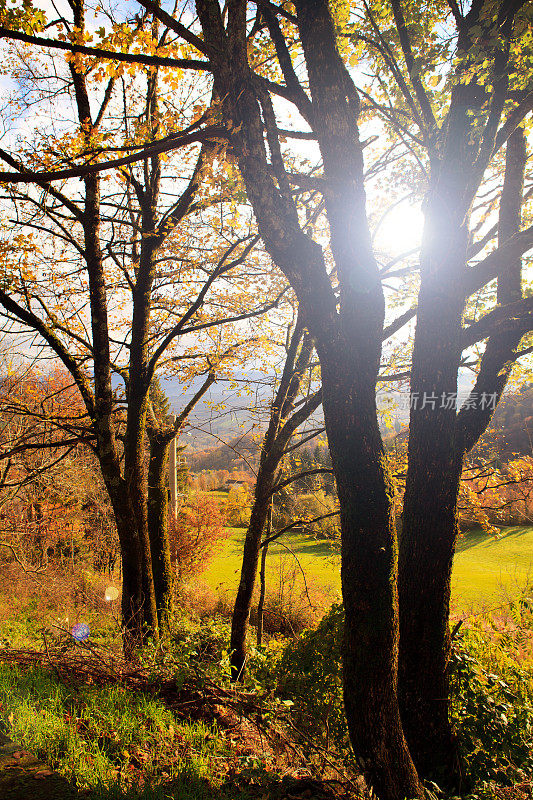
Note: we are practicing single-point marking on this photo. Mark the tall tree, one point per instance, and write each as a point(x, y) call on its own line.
point(283, 422)
point(347, 334)
point(439, 438)
point(347, 328)
point(118, 245)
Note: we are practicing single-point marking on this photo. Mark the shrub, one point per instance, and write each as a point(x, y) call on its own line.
point(196, 534)
point(205, 642)
point(492, 688)
point(198, 600)
point(238, 507)
point(495, 725)
point(289, 507)
point(491, 682)
point(291, 605)
point(317, 504)
point(309, 673)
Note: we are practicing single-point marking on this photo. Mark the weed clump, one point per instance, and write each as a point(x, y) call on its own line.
point(105, 737)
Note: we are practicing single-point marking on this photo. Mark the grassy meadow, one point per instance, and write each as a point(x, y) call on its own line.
point(485, 567)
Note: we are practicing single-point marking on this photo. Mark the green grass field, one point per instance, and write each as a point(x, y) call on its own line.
point(485, 567)
point(298, 552)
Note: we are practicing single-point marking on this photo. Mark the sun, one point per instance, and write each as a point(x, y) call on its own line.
point(400, 230)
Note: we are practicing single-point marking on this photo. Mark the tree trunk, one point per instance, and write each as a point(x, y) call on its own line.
point(426, 557)
point(262, 580)
point(136, 481)
point(348, 341)
point(250, 558)
point(429, 533)
point(158, 509)
point(262, 595)
point(368, 574)
point(125, 493)
point(438, 440)
point(281, 426)
point(131, 569)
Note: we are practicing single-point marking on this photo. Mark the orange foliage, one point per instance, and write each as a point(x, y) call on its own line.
point(41, 418)
point(492, 493)
point(196, 535)
point(492, 496)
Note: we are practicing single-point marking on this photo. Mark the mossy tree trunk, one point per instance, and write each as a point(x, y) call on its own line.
point(438, 441)
point(158, 522)
point(161, 433)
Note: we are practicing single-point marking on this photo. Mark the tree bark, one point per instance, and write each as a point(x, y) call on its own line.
point(438, 441)
point(430, 504)
point(158, 509)
point(368, 573)
point(160, 435)
point(426, 556)
point(132, 608)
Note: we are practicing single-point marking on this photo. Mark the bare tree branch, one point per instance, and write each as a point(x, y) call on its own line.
point(170, 143)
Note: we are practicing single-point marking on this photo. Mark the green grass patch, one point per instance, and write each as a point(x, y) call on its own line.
point(296, 553)
point(484, 567)
point(109, 740)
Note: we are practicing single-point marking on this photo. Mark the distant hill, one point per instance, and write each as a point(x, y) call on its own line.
point(226, 411)
point(239, 454)
point(232, 410)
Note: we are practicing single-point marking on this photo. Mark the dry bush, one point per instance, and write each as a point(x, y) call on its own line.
point(292, 605)
point(52, 600)
point(202, 601)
